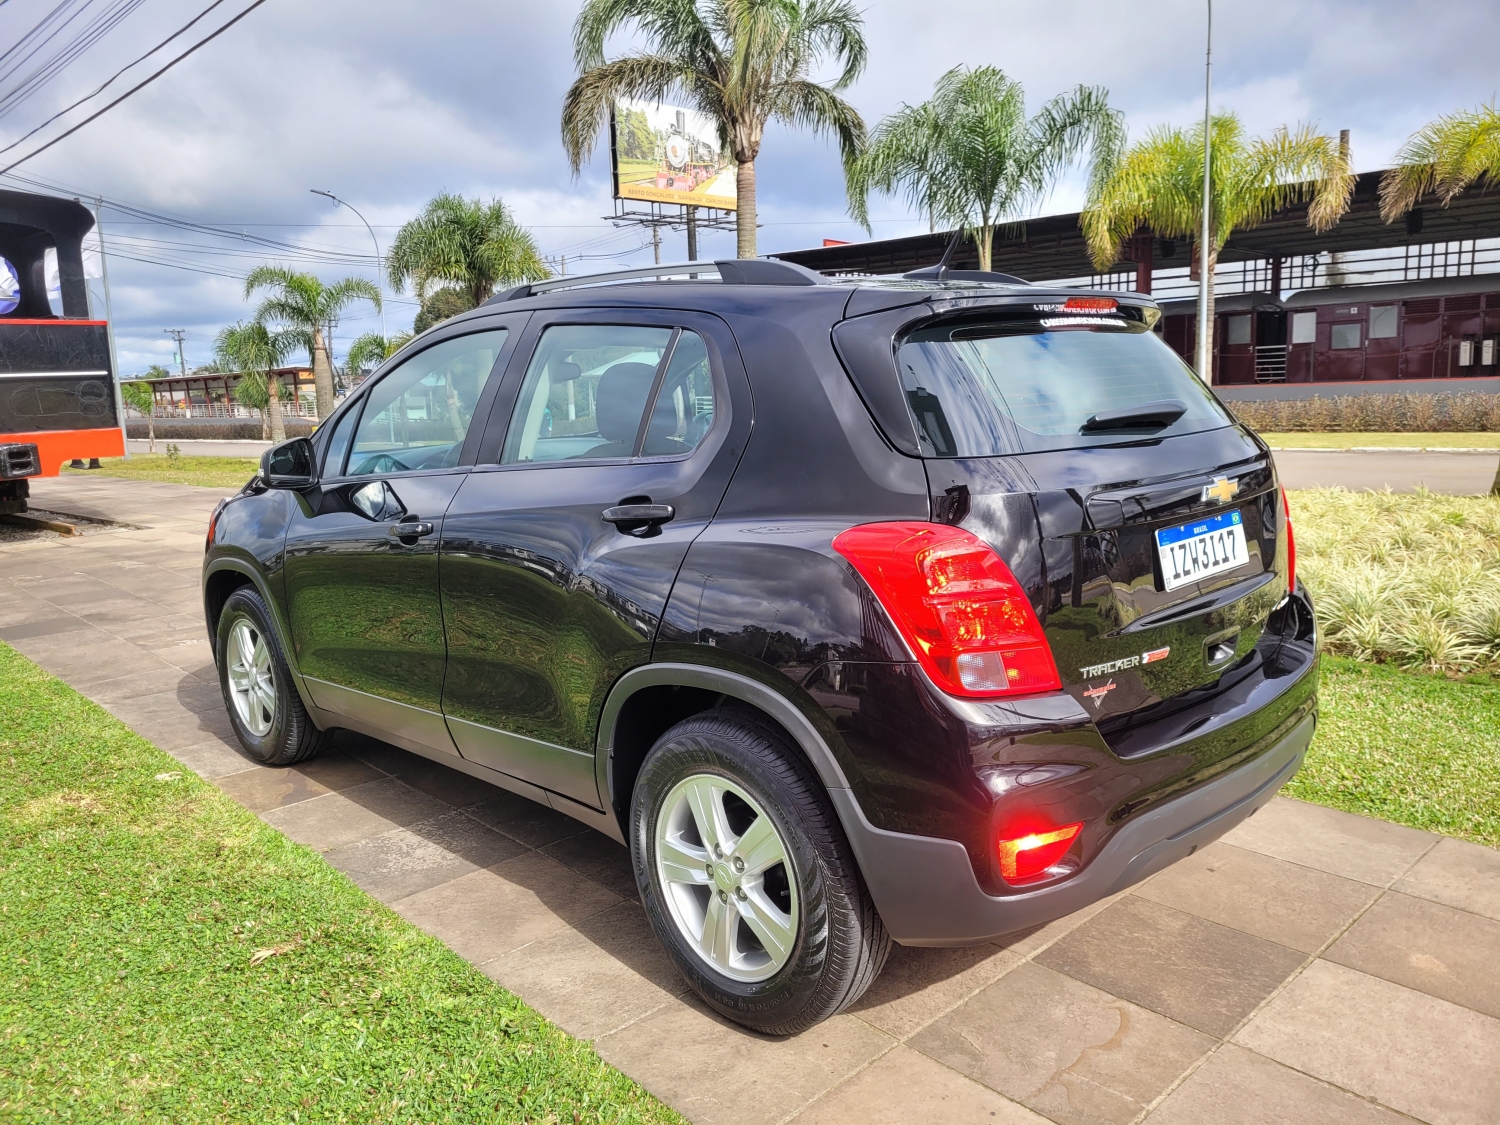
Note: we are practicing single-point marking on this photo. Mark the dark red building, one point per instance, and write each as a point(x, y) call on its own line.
point(1366, 306)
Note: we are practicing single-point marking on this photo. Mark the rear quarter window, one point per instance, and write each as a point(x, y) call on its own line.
point(981, 390)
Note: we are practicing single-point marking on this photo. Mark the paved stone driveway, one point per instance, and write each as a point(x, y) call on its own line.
point(1311, 967)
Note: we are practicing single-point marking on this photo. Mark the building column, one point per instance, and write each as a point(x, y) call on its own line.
point(1141, 254)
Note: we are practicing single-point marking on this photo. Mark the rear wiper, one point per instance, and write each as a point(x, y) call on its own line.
point(1154, 415)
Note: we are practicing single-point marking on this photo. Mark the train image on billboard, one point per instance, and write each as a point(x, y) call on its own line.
point(668, 154)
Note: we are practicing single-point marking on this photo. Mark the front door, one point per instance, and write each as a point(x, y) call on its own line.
point(362, 552)
point(558, 557)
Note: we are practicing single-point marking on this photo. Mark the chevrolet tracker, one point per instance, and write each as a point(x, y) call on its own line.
point(922, 609)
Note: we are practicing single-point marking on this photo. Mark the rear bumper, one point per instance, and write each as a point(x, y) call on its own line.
point(927, 894)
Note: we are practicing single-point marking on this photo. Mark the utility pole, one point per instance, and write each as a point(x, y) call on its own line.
point(692, 233)
point(109, 327)
point(177, 334)
point(1205, 278)
point(656, 242)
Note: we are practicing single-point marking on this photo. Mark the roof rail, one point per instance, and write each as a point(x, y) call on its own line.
point(730, 271)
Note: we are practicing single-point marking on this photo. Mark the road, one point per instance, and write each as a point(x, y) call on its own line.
point(1462, 474)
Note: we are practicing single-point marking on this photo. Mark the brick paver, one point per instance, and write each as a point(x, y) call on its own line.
point(1313, 966)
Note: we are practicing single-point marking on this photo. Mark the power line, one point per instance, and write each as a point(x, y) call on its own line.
point(68, 54)
point(138, 86)
point(108, 81)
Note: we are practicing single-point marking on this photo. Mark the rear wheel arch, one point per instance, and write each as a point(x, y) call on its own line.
point(648, 701)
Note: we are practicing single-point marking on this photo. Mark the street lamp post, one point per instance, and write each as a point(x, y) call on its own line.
point(379, 269)
point(1205, 280)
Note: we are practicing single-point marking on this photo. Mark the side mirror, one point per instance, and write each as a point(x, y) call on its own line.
point(289, 465)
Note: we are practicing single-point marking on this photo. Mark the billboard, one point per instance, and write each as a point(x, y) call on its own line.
point(667, 154)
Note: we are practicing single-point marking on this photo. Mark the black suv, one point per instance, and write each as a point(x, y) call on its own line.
point(910, 609)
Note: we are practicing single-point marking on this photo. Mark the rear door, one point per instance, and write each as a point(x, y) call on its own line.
point(606, 456)
point(1147, 533)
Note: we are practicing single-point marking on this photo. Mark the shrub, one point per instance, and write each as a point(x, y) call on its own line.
point(1408, 579)
point(1470, 412)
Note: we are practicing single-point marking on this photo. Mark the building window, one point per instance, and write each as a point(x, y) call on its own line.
point(1237, 329)
point(1304, 327)
point(1344, 336)
point(1382, 322)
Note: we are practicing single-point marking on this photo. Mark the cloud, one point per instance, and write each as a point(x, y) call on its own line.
point(389, 104)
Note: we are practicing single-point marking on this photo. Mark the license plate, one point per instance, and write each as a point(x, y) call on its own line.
point(1191, 552)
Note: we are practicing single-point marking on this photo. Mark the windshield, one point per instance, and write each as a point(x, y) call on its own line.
point(980, 390)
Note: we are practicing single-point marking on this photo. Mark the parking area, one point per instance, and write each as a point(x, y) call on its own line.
point(1313, 966)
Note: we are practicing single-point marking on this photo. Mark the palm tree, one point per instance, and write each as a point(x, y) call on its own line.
point(740, 62)
point(253, 350)
point(374, 349)
point(1447, 156)
point(970, 156)
point(304, 306)
point(473, 245)
point(141, 398)
point(1159, 183)
point(255, 392)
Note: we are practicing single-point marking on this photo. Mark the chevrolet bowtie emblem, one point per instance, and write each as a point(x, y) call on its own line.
point(1223, 490)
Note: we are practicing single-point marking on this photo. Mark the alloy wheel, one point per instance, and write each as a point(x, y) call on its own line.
point(251, 684)
point(726, 877)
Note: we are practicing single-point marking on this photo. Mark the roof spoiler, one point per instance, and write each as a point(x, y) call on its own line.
point(730, 271)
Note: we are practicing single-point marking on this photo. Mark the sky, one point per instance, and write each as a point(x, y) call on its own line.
point(388, 103)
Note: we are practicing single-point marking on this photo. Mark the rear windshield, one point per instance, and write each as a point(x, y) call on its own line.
point(980, 390)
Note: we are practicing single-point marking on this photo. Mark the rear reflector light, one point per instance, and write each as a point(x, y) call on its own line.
point(1027, 856)
point(957, 605)
point(1291, 545)
point(1091, 304)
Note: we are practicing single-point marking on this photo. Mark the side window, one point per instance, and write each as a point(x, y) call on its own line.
point(416, 417)
point(1304, 327)
point(684, 408)
point(585, 393)
point(1383, 322)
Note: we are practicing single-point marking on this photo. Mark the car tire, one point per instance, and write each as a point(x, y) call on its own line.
point(782, 941)
point(264, 708)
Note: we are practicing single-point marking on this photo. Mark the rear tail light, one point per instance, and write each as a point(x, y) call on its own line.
point(957, 605)
point(1291, 545)
point(1028, 856)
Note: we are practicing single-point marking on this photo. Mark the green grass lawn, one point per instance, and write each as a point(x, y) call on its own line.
point(1417, 749)
point(164, 956)
point(1383, 441)
point(215, 472)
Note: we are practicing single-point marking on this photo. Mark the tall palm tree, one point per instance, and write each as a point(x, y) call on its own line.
point(971, 157)
point(740, 62)
point(1159, 183)
point(473, 245)
point(304, 307)
point(252, 349)
point(1446, 156)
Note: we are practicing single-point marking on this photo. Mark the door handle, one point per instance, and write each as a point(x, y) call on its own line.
point(411, 529)
point(640, 520)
